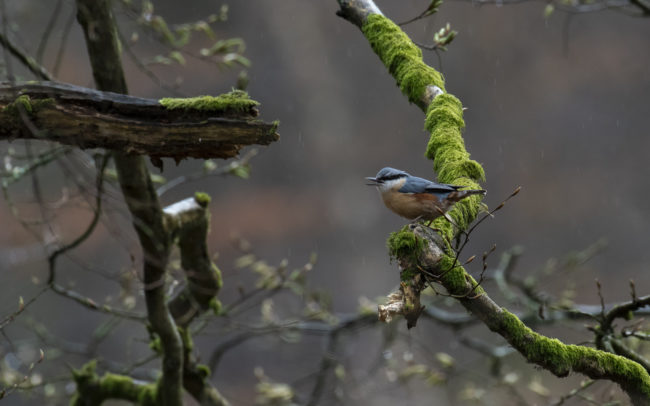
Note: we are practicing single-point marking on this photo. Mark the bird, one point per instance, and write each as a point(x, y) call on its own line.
point(417, 198)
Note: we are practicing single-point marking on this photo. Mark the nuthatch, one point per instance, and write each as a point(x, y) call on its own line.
point(417, 198)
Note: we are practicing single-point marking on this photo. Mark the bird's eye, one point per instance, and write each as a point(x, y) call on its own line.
point(391, 177)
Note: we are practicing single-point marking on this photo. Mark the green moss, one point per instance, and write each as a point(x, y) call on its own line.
point(444, 120)
point(451, 161)
point(28, 105)
point(217, 274)
point(402, 58)
point(114, 384)
point(84, 377)
point(215, 304)
point(446, 147)
point(203, 199)
point(12, 114)
point(408, 274)
point(76, 400)
point(408, 307)
point(156, 345)
point(275, 125)
point(462, 215)
point(404, 244)
point(453, 276)
point(86, 372)
point(537, 348)
point(562, 359)
point(186, 337)
point(94, 390)
point(236, 100)
point(24, 101)
point(204, 370)
point(42, 103)
point(444, 116)
point(148, 395)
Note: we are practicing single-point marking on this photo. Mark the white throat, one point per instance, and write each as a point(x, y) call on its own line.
point(390, 185)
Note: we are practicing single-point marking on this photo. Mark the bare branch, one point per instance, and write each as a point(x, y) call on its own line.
point(92, 305)
point(91, 226)
point(25, 59)
point(622, 310)
point(21, 308)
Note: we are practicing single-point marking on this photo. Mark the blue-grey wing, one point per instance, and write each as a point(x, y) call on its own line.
point(442, 188)
point(420, 185)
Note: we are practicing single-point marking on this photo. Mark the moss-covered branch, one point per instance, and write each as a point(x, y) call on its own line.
point(196, 377)
point(421, 252)
point(188, 222)
point(197, 127)
point(425, 87)
point(551, 354)
point(93, 390)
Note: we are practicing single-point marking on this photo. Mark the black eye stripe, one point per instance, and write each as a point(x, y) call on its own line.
point(391, 177)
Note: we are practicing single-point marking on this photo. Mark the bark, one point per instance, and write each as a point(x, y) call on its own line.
point(189, 223)
point(87, 118)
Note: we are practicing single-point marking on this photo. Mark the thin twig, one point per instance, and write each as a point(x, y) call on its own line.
point(469, 232)
point(141, 66)
point(91, 304)
point(224, 170)
point(21, 308)
point(574, 392)
point(29, 62)
point(88, 231)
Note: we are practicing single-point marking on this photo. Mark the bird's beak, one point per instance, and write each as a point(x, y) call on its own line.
point(374, 182)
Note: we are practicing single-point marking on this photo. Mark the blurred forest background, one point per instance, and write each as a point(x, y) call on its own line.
point(556, 104)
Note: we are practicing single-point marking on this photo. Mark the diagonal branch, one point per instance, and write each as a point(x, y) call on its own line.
point(551, 354)
point(29, 62)
point(422, 253)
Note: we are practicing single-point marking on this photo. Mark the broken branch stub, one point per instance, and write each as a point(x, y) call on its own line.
point(199, 127)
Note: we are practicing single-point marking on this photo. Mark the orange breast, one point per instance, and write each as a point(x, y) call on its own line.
point(412, 205)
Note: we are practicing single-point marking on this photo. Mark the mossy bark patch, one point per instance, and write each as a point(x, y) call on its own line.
point(94, 390)
point(444, 115)
point(202, 198)
point(204, 127)
point(402, 58)
point(236, 101)
point(404, 244)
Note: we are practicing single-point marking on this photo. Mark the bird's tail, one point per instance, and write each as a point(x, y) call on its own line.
point(461, 194)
